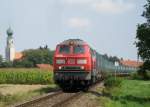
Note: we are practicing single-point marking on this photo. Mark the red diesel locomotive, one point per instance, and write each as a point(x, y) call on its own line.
point(75, 64)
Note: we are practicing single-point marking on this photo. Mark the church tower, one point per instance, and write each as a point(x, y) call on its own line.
point(10, 48)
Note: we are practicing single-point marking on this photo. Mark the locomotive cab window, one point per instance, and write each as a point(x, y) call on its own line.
point(79, 49)
point(64, 49)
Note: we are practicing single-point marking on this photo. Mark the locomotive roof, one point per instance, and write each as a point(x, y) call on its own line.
point(75, 41)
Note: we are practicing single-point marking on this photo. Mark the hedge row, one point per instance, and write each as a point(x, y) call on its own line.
point(25, 76)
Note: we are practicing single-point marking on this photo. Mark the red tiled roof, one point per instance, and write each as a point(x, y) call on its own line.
point(131, 63)
point(45, 66)
point(18, 55)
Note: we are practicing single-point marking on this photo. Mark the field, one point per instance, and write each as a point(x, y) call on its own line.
point(19, 84)
point(25, 76)
point(131, 93)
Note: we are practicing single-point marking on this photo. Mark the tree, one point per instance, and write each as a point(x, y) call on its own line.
point(105, 56)
point(22, 63)
point(1, 59)
point(143, 41)
point(114, 59)
point(38, 56)
point(32, 57)
point(6, 64)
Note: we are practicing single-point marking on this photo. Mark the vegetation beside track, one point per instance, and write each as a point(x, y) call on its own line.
point(24, 93)
point(137, 76)
point(125, 93)
point(25, 76)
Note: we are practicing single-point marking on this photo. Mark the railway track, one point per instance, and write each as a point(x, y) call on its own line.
point(68, 100)
point(57, 99)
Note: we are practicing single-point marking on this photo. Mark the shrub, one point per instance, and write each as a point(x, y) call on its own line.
point(138, 76)
point(112, 82)
point(135, 75)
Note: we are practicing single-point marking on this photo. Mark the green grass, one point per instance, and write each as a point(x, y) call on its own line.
point(7, 100)
point(25, 76)
point(131, 93)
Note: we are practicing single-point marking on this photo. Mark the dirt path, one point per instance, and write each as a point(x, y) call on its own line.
point(89, 99)
point(5, 88)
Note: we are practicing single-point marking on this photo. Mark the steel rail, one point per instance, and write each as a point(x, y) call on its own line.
point(41, 98)
point(66, 101)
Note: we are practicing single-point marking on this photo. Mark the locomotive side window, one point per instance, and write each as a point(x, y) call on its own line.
point(64, 49)
point(78, 49)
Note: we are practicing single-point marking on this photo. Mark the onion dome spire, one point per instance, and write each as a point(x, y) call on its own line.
point(9, 31)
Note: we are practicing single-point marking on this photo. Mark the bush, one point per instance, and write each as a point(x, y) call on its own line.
point(138, 76)
point(26, 76)
point(22, 63)
point(6, 64)
point(135, 75)
point(112, 82)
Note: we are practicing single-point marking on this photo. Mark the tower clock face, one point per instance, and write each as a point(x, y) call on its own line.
point(10, 41)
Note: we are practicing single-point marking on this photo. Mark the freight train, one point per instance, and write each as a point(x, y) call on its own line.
point(76, 64)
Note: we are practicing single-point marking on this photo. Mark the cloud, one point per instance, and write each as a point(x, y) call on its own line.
point(112, 6)
point(77, 22)
point(103, 6)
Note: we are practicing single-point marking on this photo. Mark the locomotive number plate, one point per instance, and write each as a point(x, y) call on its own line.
point(71, 61)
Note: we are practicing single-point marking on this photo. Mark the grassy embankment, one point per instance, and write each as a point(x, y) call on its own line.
point(126, 93)
point(11, 94)
point(21, 93)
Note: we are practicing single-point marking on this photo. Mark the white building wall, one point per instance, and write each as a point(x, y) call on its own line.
point(12, 54)
point(10, 50)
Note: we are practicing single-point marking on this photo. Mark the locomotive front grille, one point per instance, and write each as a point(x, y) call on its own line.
point(72, 68)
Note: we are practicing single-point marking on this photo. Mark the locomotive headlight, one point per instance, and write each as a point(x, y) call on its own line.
point(81, 61)
point(60, 67)
point(60, 61)
point(82, 67)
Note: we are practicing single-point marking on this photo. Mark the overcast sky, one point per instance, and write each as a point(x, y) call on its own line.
point(109, 26)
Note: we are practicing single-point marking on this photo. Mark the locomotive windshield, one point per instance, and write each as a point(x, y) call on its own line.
point(64, 49)
point(79, 49)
